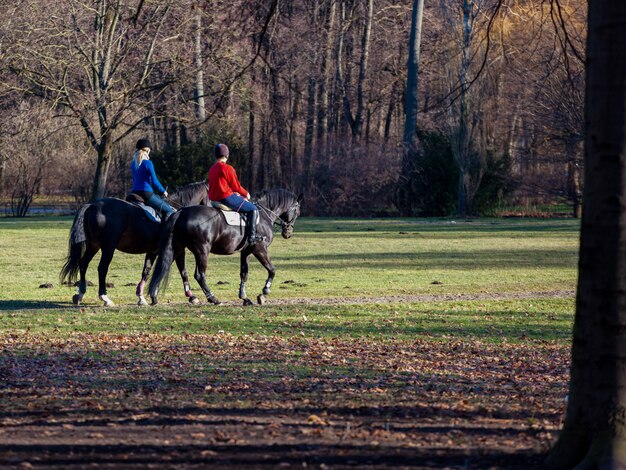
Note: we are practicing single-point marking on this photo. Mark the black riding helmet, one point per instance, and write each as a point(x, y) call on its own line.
point(143, 143)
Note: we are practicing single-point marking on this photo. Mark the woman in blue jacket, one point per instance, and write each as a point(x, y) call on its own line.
point(145, 181)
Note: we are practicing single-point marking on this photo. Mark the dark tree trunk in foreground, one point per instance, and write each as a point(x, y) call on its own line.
point(594, 433)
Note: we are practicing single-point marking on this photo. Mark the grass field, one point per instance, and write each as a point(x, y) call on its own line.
point(430, 343)
point(331, 258)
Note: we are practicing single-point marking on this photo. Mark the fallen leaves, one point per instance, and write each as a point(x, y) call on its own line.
point(314, 419)
point(257, 388)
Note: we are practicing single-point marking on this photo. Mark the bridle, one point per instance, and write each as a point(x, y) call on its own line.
point(277, 220)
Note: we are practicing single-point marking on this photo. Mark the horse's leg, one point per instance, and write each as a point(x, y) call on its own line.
point(200, 276)
point(147, 266)
point(83, 265)
point(263, 256)
point(180, 263)
point(103, 269)
point(243, 274)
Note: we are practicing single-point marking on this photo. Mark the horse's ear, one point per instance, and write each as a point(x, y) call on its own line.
point(300, 198)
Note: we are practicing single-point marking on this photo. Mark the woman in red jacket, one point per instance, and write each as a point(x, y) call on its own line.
point(224, 187)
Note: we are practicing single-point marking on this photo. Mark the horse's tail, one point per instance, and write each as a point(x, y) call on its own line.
point(77, 246)
point(165, 257)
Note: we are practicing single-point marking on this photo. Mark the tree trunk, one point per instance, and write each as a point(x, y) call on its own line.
point(263, 171)
point(360, 94)
point(594, 433)
point(389, 117)
point(577, 211)
point(322, 104)
point(199, 91)
point(462, 138)
point(309, 131)
point(252, 154)
point(295, 166)
point(339, 72)
point(280, 156)
point(574, 175)
point(411, 106)
point(102, 168)
point(308, 134)
point(2, 168)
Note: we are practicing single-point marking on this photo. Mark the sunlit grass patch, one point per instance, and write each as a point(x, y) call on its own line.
point(326, 258)
point(493, 321)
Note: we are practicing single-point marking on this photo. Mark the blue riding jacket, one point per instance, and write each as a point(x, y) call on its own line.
point(144, 177)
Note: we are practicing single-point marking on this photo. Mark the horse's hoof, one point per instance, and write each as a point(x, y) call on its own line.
point(214, 300)
point(76, 299)
point(107, 302)
point(193, 300)
point(247, 302)
point(142, 301)
point(260, 299)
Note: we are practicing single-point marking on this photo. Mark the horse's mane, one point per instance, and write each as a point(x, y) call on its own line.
point(185, 193)
point(276, 197)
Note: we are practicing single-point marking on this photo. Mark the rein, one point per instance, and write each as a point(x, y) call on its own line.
point(173, 203)
point(277, 218)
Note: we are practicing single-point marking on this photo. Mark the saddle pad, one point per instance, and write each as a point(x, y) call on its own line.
point(150, 211)
point(234, 218)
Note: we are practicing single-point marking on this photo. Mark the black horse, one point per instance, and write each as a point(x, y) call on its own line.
point(108, 224)
point(204, 230)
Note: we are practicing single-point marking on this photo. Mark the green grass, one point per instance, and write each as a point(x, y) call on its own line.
point(327, 258)
point(511, 320)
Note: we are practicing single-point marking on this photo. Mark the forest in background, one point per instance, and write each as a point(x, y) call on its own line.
point(308, 95)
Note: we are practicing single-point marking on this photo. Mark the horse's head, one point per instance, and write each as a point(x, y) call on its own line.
point(282, 206)
point(288, 218)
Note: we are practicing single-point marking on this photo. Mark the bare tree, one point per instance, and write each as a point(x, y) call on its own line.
point(354, 119)
point(27, 136)
point(462, 111)
point(93, 62)
point(304, 84)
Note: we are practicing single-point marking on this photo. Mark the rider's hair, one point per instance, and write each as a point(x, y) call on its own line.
point(140, 155)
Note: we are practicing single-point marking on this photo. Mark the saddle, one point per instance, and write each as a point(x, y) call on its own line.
point(151, 212)
point(232, 217)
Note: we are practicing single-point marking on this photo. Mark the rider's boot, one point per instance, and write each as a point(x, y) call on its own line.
point(253, 218)
point(165, 215)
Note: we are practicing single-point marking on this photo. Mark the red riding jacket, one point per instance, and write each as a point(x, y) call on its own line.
point(223, 182)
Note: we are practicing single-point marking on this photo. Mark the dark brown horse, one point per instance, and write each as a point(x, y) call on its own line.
point(109, 224)
point(204, 230)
